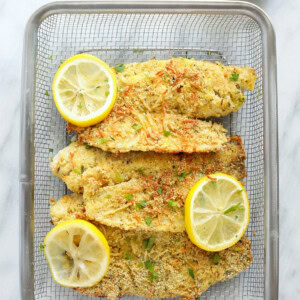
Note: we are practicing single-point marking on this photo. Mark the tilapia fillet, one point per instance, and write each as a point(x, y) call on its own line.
point(195, 89)
point(171, 254)
point(123, 190)
point(121, 132)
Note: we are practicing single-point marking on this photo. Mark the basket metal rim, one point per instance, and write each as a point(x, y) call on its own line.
point(271, 167)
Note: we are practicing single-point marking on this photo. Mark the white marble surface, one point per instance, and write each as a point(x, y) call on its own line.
point(285, 18)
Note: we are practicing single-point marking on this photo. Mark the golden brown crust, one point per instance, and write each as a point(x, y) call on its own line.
point(113, 186)
point(172, 254)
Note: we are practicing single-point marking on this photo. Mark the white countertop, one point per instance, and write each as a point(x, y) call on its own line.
point(285, 18)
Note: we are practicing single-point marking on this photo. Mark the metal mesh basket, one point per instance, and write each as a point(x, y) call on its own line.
point(134, 36)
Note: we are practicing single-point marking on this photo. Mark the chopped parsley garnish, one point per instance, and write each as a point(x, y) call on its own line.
point(197, 298)
point(216, 259)
point(138, 51)
point(50, 150)
point(77, 171)
point(50, 57)
point(152, 274)
point(79, 105)
point(149, 266)
point(141, 204)
point(127, 239)
point(82, 169)
point(238, 249)
point(87, 146)
point(137, 127)
point(148, 221)
point(106, 80)
point(42, 247)
point(234, 77)
point(47, 93)
point(160, 190)
point(106, 93)
point(128, 256)
point(233, 208)
point(191, 273)
point(128, 196)
point(118, 177)
point(172, 203)
point(134, 239)
point(182, 176)
point(140, 264)
point(140, 170)
point(98, 86)
point(242, 100)
point(240, 191)
point(148, 243)
point(120, 67)
point(167, 133)
point(104, 140)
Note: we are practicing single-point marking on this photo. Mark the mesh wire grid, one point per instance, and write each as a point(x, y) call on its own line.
point(135, 37)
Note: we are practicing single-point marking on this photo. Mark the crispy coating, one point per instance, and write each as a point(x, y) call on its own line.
point(123, 190)
point(159, 102)
point(154, 132)
point(171, 254)
point(195, 89)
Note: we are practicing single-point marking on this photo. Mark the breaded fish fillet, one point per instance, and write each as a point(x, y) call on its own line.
point(123, 190)
point(174, 258)
point(171, 133)
point(195, 89)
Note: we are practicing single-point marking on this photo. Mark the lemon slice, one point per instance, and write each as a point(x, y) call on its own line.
point(216, 212)
point(84, 90)
point(77, 253)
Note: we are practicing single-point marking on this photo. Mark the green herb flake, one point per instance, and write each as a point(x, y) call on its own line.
point(42, 247)
point(197, 298)
point(77, 171)
point(236, 217)
point(50, 150)
point(50, 57)
point(237, 249)
point(141, 204)
point(242, 100)
point(234, 77)
point(134, 239)
point(216, 259)
point(108, 196)
point(103, 140)
point(182, 176)
point(79, 105)
point(172, 203)
point(148, 221)
point(120, 67)
point(87, 146)
point(128, 256)
point(191, 273)
point(128, 239)
point(167, 133)
point(137, 127)
point(128, 196)
point(106, 80)
point(152, 276)
point(160, 190)
point(148, 243)
point(258, 92)
point(106, 93)
point(138, 51)
point(140, 264)
point(140, 170)
point(118, 177)
point(82, 169)
point(240, 191)
point(232, 208)
point(149, 266)
point(98, 87)
point(47, 93)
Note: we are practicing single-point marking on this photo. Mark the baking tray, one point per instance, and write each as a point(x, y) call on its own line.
point(236, 33)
